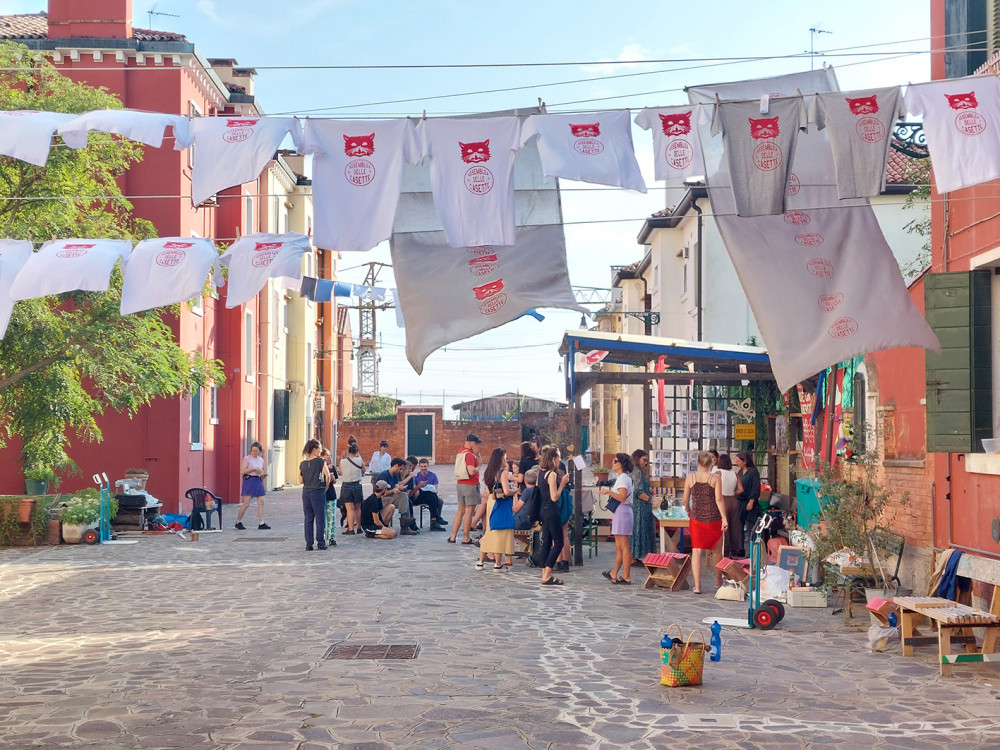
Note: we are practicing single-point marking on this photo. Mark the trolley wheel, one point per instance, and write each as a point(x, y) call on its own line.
point(91, 536)
point(779, 608)
point(764, 617)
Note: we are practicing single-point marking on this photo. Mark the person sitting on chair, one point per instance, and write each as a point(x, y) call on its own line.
point(422, 488)
point(376, 521)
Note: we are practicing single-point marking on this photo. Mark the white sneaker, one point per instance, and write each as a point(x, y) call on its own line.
point(498, 567)
point(479, 566)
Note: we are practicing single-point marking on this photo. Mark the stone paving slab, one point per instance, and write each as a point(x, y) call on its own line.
point(219, 644)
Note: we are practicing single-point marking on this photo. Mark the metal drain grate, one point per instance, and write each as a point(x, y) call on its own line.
point(352, 651)
point(260, 539)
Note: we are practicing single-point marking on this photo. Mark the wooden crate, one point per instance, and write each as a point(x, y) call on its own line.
point(669, 570)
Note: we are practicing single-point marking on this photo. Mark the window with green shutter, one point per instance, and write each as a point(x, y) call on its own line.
point(959, 389)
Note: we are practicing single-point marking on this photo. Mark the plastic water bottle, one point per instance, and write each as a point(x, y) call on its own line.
point(893, 620)
point(666, 642)
point(715, 649)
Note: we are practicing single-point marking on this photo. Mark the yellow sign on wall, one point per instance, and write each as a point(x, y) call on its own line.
point(744, 432)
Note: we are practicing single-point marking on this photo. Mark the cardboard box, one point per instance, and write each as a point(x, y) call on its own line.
point(806, 599)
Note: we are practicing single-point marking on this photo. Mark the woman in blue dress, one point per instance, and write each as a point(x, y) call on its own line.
point(643, 539)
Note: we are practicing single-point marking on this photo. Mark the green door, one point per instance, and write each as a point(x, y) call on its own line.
point(420, 435)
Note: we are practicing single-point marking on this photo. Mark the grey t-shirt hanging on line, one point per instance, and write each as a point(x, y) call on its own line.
point(759, 150)
point(860, 128)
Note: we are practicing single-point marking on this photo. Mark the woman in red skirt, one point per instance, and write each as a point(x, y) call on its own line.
point(705, 507)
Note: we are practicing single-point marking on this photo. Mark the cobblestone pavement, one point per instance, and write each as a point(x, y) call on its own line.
point(220, 643)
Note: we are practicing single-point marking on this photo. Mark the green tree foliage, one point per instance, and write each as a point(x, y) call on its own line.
point(374, 407)
point(65, 359)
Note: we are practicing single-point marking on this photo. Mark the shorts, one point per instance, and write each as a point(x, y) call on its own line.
point(350, 492)
point(468, 494)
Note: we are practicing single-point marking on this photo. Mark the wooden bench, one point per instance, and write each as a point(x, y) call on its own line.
point(669, 570)
point(734, 570)
point(954, 621)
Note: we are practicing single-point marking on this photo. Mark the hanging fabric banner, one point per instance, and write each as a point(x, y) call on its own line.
point(357, 176)
point(233, 150)
point(165, 271)
point(254, 259)
point(487, 286)
point(13, 255)
point(27, 135)
point(594, 148)
point(62, 266)
point(822, 282)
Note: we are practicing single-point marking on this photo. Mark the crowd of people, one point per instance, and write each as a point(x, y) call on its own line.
point(503, 496)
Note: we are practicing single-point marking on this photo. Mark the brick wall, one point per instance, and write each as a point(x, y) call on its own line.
point(449, 435)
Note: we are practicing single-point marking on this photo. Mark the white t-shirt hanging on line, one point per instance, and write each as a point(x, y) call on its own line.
point(962, 122)
point(860, 128)
point(27, 135)
point(254, 259)
point(13, 255)
point(595, 147)
point(166, 270)
point(472, 166)
point(234, 149)
point(62, 266)
point(144, 127)
point(676, 143)
point(357, 175)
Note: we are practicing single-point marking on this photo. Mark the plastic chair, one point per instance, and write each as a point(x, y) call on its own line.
point(197, 496)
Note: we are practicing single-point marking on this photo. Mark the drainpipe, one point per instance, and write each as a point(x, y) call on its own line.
point(697, 278)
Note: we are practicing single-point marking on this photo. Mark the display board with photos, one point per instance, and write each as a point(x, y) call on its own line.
point(674, 446)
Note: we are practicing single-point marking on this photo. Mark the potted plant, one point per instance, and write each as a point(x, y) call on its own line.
point(37, 478)
point(601, 473)
point(137, 478)
point(854, 503)
point(79, 515)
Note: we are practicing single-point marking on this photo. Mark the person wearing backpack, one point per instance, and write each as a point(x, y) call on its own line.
point(526, 518)
point(467, 484)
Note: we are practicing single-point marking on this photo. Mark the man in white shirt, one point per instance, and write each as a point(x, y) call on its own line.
point(381, 460)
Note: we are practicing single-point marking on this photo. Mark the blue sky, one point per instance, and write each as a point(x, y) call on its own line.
point(264, 33)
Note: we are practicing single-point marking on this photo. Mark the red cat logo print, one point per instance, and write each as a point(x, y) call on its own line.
point(473, 153)
point(172, 254)
point(863, 105)
point(491, 296)
point(359, 171)
point(679, 153)
point(478, 179)
point(586, 134)
point(767, 156)
point(676, 124)
point(869, 129)
point(967, 121)
point(238, 130)
point(264, 253)
point(73, 250)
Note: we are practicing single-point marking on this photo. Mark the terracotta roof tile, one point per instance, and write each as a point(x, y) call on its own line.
point(36, 26)
point(905, 170)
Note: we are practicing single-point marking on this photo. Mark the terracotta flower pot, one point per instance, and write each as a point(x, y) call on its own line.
point(25, 509)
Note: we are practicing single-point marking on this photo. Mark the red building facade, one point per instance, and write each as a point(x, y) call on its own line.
point(183, 442)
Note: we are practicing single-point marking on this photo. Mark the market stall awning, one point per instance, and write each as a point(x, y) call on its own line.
point(686, 361)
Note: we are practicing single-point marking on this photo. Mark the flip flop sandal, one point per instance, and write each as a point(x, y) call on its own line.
point(623, 582)
point(552, 582)
point(451, 541)
point(607, 574)
point(468, 542)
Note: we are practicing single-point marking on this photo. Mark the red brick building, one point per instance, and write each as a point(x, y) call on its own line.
point(186, 442)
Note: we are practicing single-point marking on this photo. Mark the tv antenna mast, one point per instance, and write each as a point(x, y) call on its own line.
point(151, 12)
point(812, 45)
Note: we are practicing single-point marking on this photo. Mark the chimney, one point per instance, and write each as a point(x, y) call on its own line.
point(100, 19)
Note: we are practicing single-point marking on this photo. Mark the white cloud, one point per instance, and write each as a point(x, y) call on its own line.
point(207, 7)
point(630, 53)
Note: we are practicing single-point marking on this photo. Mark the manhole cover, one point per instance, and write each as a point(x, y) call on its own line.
point(260, 539)
point(371, 651)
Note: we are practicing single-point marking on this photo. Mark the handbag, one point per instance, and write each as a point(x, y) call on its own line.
point(683, 663)
point(612, 504)
point(502, 517)
point(730, 591)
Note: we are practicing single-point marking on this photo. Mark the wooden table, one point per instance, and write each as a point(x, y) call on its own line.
point(948, 616)
point(667, 543)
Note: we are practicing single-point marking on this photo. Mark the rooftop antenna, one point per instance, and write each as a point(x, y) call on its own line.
point(151, 12)
point(812, 44)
